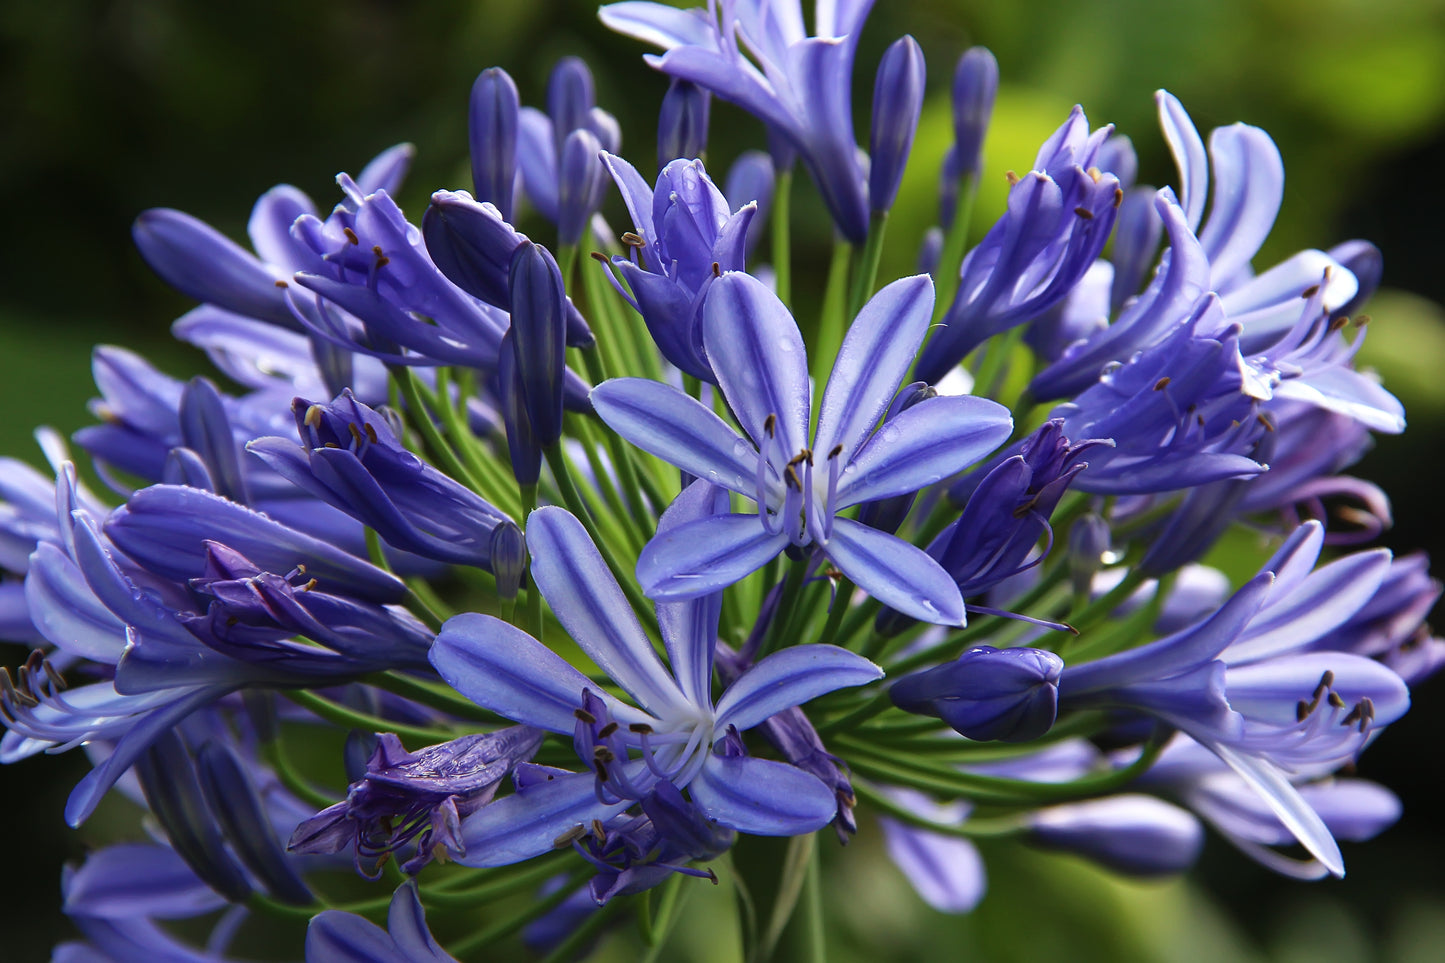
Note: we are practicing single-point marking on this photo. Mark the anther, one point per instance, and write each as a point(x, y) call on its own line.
point(355, 433)
point(770, 425)
point(52, 675)
point(641, 728)
point(313, 416)
point(1336, 701)
point(599, 830)
point(1268, 425)
point(310, 584)
point(1328, 679)
point(1095, 173)
point(569, 837)
point(585, 716)
point(1301, 711)
point(791, 478)
point(370, 433)
point(282, 284)
point(1011, 177)
point(716, 270)
point(633, 239)
point(607, 730)
point(351, 236)
point(1162, 383)
point(1310, 291)
point(602, 754)
point(1338, 324)
point(1085, 213)
point(1118, 196)
point(1355, 715)
point(1361, 320)
point(837, 450)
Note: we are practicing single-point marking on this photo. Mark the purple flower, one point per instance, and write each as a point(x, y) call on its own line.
point(757, 353)
point(897, 102)
point(351, 459)
point(340, 937)
point(677, 728)
point(1059, 217)
point(1133, 834)
point(416, 799)
point(987, 693)
point(682, 123)
point(800, 86)
point(686, 236)
point(492, 135)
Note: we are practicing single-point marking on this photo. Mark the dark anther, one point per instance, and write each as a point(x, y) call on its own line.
point(632, 239)
point(1085, 213)
point(602, 754)
point(1361, 320)
point(1338, 324)
point(599, 767)
point(1355, 715)
point(770, 425)
point(837, 450)
point(791, 478)
point(569, 837)
point(1118, 196)
point(376, 249)
point(370, 433)
point(600, 257)
point(53, 676)
point(382, 262)
point(716, 270)
point(351, 235)
point(641, 728)
point(585, 716)
point(355, 433)
point(1301, 711)
point(1162, 383)
point(712, 876)
point(1327, 680)
point(310, 584)
point(282, 284)
point(1264, 420)
point(1336, 700)
point(12, 694)
point(607, 730)
point(1011, 177)
point(599, 830)
point(1310, 291)
point(800, 457)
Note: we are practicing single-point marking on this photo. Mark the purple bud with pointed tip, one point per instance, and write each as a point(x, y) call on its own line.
point(682, 122)
point(581, 179)
point(522, 446)
point(539, 337)
point(237, 808)
point(975, 86)
point(897, 103)
point(571, 95)
point(1011, 695)
point(492, 131)
point(509, 559)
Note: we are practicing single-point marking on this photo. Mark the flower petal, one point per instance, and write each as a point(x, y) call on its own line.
point(705, 556)
point(946, 871)
point(900, 575)
point(528, 822)
point(1248, 188)
point(1302, 821)
point(680, 430)
point(762, 797)
point(1188, 150)
point(875, 356)
point(586, 599)
point(502, 668)
point(689, 629)
point(758, 356)
point(923, 445)
point(789, 678)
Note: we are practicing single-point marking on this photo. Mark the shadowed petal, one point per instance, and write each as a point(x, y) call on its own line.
point(1286, 803)
point(689, 629)
point(762, 797)
point(528, 822)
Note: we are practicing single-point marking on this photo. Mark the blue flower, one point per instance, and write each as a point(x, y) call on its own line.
point(675, 727)
point(757, 353)
point(800, 86)
point(336, 936)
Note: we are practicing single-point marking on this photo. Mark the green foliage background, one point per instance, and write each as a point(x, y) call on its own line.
point(113, 107)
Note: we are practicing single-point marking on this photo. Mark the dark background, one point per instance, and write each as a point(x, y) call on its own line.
point(107, 108)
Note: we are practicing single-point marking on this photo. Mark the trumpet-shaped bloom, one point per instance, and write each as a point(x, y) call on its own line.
point(800, 487)
point(675, 727)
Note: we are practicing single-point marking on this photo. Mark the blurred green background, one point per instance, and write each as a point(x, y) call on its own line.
point(107, 108)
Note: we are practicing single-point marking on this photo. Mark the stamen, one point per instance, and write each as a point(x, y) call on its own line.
point(770, 425)
point(1085, 213)
point(569, 837)
point(631, 239)
point(607, 730)
point(585, 716)
point(351, 236)
point(1011, 177)
point(640, 727)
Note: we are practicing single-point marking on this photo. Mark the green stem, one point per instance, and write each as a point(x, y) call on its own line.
point(832, 321)
point(954, 245)
point(782, 253)
point(350, 719)
point(1104, 606)
point(972, 829)
point(274, 752)
point(867, 272)
point(782, 627)
point(532, 875)
point(843, 592)
point(790, 885)
point(410, 390)
point(417, 691)
point(815, 944)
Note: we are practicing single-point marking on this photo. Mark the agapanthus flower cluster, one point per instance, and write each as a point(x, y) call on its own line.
point(511, 582)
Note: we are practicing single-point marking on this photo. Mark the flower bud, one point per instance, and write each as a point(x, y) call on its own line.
point(580, 181)
point(975, 85)
point(509, 559)
point(682, 123)
point(237, 808)
point(930, 252)
point(522, 446)
point(897, 103)
point(539, 337)
point(492, 130)
point(571, 95)
point(1010, 695)
point(1088, 542)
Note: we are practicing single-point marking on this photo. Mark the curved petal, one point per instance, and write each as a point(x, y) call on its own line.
point(1318, 604)
point(586, 599)
point(705, 556)
point(923, 445)
point(1248, 189)
point(342, 937)
point(762, 797)
point(689, 629)
point(1188, 150)
point(502, 668)
point(270, 226)
point(875, 355)
point(135, 879)
point(946, 871)
point(528, 822)
point(900, 575)
point(406, 920)
point(758, 356)
point(789, 678)
point(1270, 691)
point(1302, 821)
point(658, 23)
point(677, 428)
